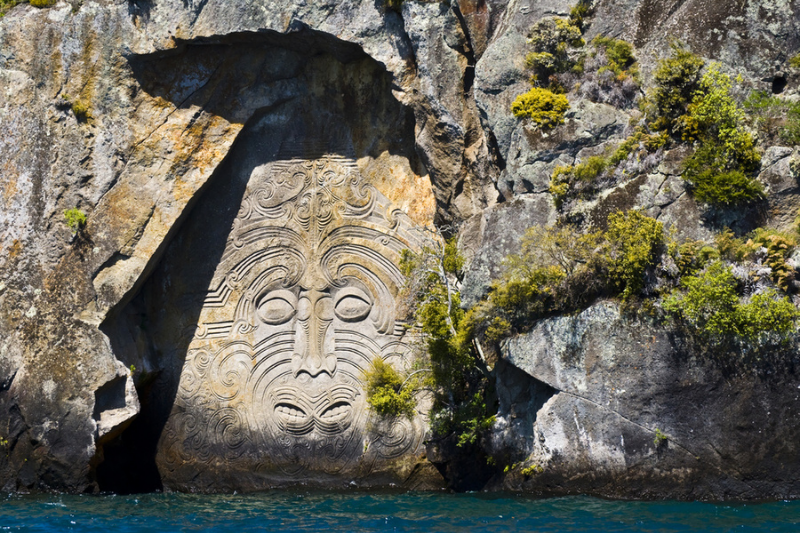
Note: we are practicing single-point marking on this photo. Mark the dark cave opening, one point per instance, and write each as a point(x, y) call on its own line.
point(778, 84)
point(145, 331)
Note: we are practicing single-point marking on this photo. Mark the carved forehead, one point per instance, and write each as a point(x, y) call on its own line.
point(323, 212)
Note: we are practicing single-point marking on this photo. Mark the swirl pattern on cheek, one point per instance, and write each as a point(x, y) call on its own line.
point(301, 303)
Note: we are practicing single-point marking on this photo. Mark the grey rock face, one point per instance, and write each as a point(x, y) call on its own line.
point(270, 346)
point(133, 112)
point(633, 414)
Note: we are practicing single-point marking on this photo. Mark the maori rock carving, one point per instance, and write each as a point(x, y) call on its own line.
point(301, 303)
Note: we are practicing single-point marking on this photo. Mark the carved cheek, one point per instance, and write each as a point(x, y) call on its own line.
point(324, 308)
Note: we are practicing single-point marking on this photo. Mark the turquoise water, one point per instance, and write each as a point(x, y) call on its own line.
point(314, 511)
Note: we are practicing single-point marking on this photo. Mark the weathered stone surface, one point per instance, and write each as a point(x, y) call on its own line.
point(303, 299)
point(132, 112)
point(615, 382)
point(495, 235)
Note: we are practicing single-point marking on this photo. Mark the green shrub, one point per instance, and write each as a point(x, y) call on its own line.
point(560, 269)
point(554, 35)
point(713, 116)
point(473, 420)
point(541, 61)
point(387, 391)
point(718, 170)
point(457, 375)
point(5, 5)
point(535, 282)
point(619, 53)
point(551, 40)
point(677, 78)
point(692, 256)
point(660, 438)
point(579, 13)
point(775, 118)
point(794, 61)
point(730, 247)
point(713, 182)
point(710, 302)
point(560, 183)
point(42, 3)
point(767, 312)
point(81, 110)
point(726, 189)
point(522, 297)
point(634, 241)
point(76, 219)
point(779, 247)
point(545, 108)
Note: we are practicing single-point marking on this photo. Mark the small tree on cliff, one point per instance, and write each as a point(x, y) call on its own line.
point(457, 369)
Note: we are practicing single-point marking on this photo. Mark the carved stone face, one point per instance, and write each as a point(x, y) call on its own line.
point(301, 304)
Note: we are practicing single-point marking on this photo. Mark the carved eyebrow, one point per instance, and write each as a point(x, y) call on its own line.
point(376, 261)
point(357, 292)
point(283, 294)
point(345, 234)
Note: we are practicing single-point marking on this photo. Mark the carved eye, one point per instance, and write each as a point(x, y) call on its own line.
point(277, 307)
point(353, 305)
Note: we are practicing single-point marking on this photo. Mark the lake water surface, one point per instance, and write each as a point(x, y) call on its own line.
point(361, 511)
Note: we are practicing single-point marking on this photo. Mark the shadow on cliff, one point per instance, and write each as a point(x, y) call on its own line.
point(304, 86)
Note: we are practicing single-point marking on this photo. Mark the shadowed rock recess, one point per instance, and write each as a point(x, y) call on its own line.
point(250, 176)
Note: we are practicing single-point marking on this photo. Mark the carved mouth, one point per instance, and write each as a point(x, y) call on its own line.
point(330, 420)
point(293, 419)
point(335, 418)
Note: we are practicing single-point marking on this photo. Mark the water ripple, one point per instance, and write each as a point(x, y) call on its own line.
point(294, 511)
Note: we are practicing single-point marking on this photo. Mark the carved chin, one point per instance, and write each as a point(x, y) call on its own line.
point(315, 418)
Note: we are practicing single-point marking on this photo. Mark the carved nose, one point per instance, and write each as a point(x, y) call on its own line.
point(313, 364)
point(315, 314)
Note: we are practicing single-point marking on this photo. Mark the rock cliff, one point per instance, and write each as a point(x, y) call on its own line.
point(225, 153)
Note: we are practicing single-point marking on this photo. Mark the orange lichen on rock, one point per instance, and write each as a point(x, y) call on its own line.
point(393, 176)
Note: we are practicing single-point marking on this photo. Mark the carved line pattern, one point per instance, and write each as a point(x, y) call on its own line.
point(240, 397)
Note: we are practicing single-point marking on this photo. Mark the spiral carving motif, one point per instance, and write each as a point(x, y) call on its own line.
point(301, 304)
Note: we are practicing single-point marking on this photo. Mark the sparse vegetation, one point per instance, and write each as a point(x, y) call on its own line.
point(75, 218)
point(531, 471)
point(660, 437)
point(777, 120)
point(388, 392)
point(5, 5)
point(458, 374)
point(608, 72)
point(545, 108)
point(554, 42)
point(551, 40)
point(710, 302)
point(81, 110)
point(559, 269)
point(638, 153)
point(395, 5)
